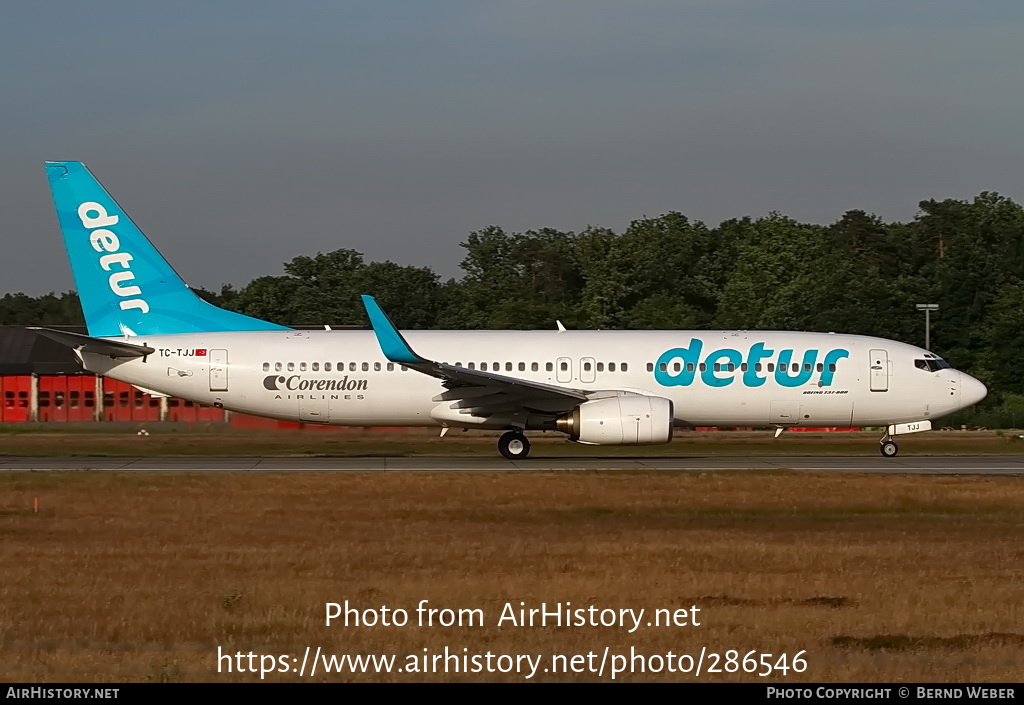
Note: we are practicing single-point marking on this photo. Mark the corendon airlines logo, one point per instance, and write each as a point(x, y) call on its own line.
point(95, 218)
point(294, 383)
point(679, 366)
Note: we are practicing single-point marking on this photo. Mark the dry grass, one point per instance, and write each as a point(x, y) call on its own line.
point(131, 577)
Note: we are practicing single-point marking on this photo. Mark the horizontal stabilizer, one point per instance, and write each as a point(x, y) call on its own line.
point(99, 346)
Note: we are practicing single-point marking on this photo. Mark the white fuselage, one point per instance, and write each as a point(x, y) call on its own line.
point(341, 377)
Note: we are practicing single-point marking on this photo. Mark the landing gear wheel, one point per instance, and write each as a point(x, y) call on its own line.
point(889, 449)
point(514, 445)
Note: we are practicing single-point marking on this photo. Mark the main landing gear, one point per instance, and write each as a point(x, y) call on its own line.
point(888, 446)
point(514, 445)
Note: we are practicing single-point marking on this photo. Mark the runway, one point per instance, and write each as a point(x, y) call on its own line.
point(918, 465)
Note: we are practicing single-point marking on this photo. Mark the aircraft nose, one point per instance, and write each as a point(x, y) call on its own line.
point(971, 390)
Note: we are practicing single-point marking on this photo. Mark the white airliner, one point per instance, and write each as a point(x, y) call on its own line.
point(147, 328)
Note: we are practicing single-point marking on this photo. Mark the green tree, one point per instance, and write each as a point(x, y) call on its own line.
point(324, 290)
point(778, 281)
point(46, 310)
point(517, 280)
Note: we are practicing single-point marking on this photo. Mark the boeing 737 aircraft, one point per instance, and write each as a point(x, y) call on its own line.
point(147, 328)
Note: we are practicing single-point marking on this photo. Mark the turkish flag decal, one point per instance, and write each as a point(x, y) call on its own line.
point(200, 352)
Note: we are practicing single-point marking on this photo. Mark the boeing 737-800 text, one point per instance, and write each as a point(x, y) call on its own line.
point(146, 327)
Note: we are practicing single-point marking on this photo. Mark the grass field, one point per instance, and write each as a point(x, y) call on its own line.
point(134, 577)
point(219, 441)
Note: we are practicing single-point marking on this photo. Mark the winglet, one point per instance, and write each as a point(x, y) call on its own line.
point(391, 342)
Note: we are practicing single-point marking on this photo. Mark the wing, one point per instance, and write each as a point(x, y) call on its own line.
point(473, 394)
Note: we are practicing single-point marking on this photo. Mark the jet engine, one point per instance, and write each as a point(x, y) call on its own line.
point(627, 420)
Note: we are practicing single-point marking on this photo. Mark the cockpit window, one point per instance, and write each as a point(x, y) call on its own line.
point(931, 365)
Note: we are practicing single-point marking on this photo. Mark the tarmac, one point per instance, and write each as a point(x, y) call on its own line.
point(915, 465)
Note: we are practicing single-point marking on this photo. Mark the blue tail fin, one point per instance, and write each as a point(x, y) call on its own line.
point(126, 287)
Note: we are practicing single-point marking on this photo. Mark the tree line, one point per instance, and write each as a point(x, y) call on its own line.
point(858, 275)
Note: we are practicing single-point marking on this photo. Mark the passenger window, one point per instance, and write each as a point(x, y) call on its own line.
point(718, 367)
point(496, 367)
point(402, 368)
point(743, 367)
point(771, 366)
point(564, 366)
point(586, 367)
point(663, 366)
point(522, 367)
point(676, 367)
point(611, 366)
point(831, 367)
point(757, 366)
point(391, 367)
point(821, 367)
point(315, 367)
point(291, 366)
point(508, 366)
point(534, 367)
point(376, 367)
point(483, 366)
point(624, 367)
point(365, 367)
point(302, 367)
point(351, 367)
point(327, 367)
point(266, 367)
point(600, 367)
point(458, 364)
point(689, 367)
point(472, 366)
point(703, 367)
point(277, 367)
point(807, 367)
point(549, 367)
point(650, 367)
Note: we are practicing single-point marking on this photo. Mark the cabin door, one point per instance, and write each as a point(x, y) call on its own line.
point(218, 370)
point(879, 371)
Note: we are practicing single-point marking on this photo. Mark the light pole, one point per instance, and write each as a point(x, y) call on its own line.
point(927, 308)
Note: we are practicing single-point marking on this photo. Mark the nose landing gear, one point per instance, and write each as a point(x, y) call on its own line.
point(887, 446)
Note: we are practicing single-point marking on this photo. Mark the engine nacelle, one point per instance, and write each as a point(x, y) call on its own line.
point(629, 420)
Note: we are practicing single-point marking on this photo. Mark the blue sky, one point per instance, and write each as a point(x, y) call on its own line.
point(242, 134)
